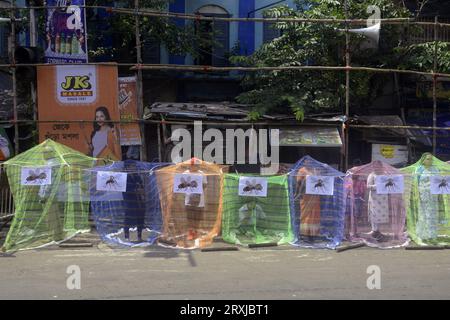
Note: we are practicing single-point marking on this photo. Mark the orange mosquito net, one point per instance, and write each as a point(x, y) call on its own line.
point(191, 203)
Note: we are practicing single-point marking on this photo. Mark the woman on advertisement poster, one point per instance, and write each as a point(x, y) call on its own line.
point(4, 149)
point(104, 141)
point(5, 146)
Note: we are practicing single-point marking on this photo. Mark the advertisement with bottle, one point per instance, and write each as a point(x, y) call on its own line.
point(66, 32)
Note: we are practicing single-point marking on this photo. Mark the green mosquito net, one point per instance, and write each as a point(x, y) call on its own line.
point(428, 215)
point(51, 195)
point(256, 210)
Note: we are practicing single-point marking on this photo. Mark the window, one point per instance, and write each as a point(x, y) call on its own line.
point(150, 51)
point(214, 45)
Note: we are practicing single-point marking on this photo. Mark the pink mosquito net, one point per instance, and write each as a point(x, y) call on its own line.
point(376, 205)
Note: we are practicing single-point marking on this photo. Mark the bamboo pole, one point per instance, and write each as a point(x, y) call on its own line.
point(284, 68)
point(347, 89)
point(244, 123)
point(197, 68)
point(158, 129)
point(140, 96)
point(153, 13)
point(435, 82)
point(14, 77)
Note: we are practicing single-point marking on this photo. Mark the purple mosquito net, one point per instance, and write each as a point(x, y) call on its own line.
point(375, 205)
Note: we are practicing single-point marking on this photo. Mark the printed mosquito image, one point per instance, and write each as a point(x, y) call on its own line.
point(320, 186)
point(36, 176)
point(111, 183)
point(443, 185)
point(252, 187)
point(187, 184)
point(390, 185)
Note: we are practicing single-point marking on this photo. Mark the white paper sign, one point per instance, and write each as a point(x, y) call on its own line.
point(320, 185)
point(252, 187)
point(389, 184)
point(112, 181)
point(36, 176)
point(440, 185)
point(188, 183)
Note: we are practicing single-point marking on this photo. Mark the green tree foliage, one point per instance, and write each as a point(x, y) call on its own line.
point(177, 40)
point(303, 92)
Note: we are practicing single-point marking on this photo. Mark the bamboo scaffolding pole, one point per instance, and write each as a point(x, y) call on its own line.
point(160, 14)
point(435, 62)
point(158, 131)
point(347, 89)
point(243, 123)
point(198, 68)
point(140, 95)
point(14, 76)
point(283, 68)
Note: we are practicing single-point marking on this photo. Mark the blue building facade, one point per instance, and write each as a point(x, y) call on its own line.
point(240, 37)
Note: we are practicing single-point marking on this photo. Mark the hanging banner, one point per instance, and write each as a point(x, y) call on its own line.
point(252, 187)
point(389, 184)
point(87, 93)
point(440, 185)
point(320, 185)
point(129, 133)
point(6, 150)
point(112, 181)
point(66, 40)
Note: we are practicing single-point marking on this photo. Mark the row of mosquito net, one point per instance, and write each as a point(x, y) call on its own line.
point(186, 205)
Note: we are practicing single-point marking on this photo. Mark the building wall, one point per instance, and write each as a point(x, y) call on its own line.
point(259, 34)
point(248, 35)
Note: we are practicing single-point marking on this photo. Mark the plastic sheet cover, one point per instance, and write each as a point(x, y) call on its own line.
point(428, 215)
point(191, 203)
point(317, 200)
point(125, 203)
point(377, 194)
point(256, 210)
point(51, 196)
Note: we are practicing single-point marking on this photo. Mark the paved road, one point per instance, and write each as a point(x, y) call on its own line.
point(265, 273)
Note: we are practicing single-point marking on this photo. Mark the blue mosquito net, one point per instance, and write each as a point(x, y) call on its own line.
point(317, 203)
point(125, 203)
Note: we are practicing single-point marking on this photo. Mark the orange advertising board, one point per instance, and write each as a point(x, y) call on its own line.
point(80, 92)
point(129, 132)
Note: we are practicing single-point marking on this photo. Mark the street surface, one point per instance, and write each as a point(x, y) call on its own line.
point(264, 273)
